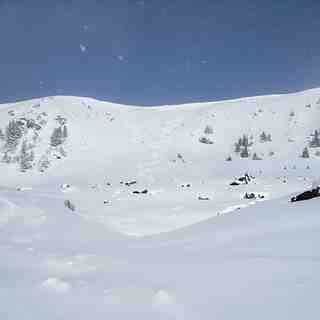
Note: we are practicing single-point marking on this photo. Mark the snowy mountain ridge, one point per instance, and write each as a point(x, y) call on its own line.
point(287, 119)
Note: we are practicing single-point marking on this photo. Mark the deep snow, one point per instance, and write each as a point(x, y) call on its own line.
point(165, 254)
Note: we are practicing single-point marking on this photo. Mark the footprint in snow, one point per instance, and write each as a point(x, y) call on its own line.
point(163, 298)
point(56, 285)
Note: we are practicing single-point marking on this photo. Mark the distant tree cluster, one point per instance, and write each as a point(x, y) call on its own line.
point(265, 137)
point(11, 139)
point(242, 146)
point(58, 136)
point(19, 138)
point(13, 134)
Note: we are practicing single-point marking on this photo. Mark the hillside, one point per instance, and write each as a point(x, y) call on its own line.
point(172, 212)
point(162, 149)
point(104, 132)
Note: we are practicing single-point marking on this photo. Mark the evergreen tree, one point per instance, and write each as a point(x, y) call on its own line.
point(26, 157)
point(237, 147)
point(263, 137)
point(315, 142)
point(56, 137)
point(13, 134)
point(256, 157)
point(305, 153)
point(65, 132)
point(43, 163)
point(208, 130)
point(245, 141)
point(2, 136)
point(244, 152)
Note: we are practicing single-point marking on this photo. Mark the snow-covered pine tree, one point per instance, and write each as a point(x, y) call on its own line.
point(43, 163)
point(263, 137)
point(315, 142)
point(256, 157)
point(305, 153)
point(26, 157)
point(2, 136)
point(208, 130)
point(13, 135)
point(65, 132)
point(238, 145)
point(237, 148)
point(244, 152)
point(245, 140)
point(56, 137)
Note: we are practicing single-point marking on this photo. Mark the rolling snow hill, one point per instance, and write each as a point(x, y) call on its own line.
point(110, 211)
point(102, 146)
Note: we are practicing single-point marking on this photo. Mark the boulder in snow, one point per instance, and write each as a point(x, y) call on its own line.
point(307, 195)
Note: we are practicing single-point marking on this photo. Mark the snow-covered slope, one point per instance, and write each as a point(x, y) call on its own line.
point(73, 171)
point(103, 133)
point(159, 148)
point(260, 262)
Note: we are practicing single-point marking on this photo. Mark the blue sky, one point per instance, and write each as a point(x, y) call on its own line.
point(152, 52)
